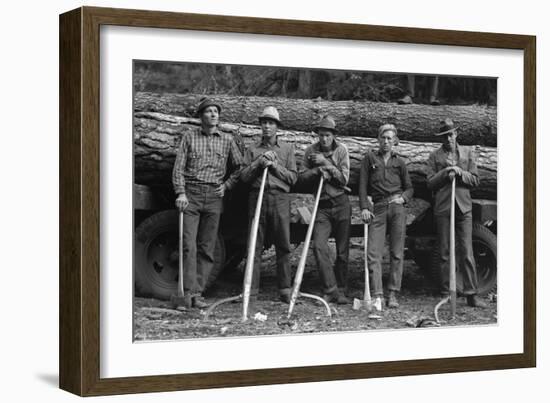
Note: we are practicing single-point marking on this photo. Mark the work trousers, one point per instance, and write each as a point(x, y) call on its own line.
point(333, 216)
point(273, 228)
point(464, 251)
point(200, 229)
point(388, 218)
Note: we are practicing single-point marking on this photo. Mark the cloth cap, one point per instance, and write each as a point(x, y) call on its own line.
point(205, 103)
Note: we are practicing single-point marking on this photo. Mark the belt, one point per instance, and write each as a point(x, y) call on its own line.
point(333, 201)
point(387, 199)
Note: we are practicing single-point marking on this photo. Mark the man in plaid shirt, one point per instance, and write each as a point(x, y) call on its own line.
point(198, 177)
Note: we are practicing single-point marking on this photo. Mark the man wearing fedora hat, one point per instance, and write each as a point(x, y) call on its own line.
point(198, 179)
point(274, 225)
point(384, 176)
point(330, 159)
point(450, 161)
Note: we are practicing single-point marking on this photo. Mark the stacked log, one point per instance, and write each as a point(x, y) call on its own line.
point(478, 123)
point(156, 138)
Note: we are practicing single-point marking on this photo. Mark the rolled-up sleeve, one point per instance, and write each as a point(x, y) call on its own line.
point(364, 201)
point(237, 162)
point(406, 183)
point(178, 179)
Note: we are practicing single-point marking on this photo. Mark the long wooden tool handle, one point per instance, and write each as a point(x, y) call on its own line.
point(366, 248)
point(252, 247)
point(452, 256)
point(302, 264)
point(180, 247)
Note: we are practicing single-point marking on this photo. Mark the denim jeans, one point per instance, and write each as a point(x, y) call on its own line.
point(333, 216)
point(200, 230)
point(464, 250)
point(273, 228)
point(388, 218)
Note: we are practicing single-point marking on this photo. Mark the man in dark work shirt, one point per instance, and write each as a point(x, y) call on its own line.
point(384, 177)
point(274, 224)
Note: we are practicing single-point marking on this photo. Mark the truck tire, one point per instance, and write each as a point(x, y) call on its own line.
point(485, 255)
point(156, 270)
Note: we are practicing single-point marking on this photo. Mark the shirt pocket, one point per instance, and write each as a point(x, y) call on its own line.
point(376, 173)
point(219, 159)
point(394, 175)
point(193, 162)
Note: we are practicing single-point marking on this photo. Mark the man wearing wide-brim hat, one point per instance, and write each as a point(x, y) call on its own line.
point(274, 226)
point(198, 179)
point(330, 159)
point(450, 161)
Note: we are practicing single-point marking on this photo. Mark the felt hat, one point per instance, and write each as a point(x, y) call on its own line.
point(271, 113)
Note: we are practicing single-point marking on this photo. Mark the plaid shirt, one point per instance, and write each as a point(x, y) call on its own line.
point(282, 176)
point(203, 159)
point(337, 156)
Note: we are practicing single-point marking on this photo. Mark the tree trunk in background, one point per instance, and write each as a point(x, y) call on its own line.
point(478, 124)
point(156, 138)
point(304, 83)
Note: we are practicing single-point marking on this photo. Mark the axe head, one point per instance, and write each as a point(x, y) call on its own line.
point(178, 301)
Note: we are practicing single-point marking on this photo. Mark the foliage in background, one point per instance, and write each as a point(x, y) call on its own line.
point(304, 83)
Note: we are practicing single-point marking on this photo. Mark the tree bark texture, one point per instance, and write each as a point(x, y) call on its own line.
point(477, 123)
point(156, 138)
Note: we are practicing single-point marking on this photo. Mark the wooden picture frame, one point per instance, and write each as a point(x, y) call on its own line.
point(79, 201)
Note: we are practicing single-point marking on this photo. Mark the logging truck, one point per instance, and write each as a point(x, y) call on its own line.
point(159, 121)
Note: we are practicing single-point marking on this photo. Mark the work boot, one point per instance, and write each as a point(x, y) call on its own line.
point(475, 302)
point(337, 297)
point(199, 302)
point(406, 100)
point(285, 298)
point(434, 101)
point(392, 300)
point(342, 299)
point(377, 303)
point(330, 297)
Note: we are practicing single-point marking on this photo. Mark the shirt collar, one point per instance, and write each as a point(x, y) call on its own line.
point(216, 131)
point(268, 145)
point(333, 147)
point(380, 154)
point(448, 151)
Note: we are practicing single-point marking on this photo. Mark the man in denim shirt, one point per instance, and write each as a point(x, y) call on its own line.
point(384, 176)
point(198, 179)
point(274, 225)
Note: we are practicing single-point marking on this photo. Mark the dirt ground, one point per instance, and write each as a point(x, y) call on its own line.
point(157, 320)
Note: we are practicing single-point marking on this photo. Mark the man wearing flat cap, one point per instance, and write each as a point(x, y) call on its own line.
point(330, 159)
point(385, 178)
point(450, 161)
point(202, 160)
point(274, 225)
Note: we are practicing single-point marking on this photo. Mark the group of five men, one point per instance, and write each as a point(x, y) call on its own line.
point(201, 178)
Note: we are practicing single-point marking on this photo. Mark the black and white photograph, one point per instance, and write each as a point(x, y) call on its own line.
point(276, 200)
